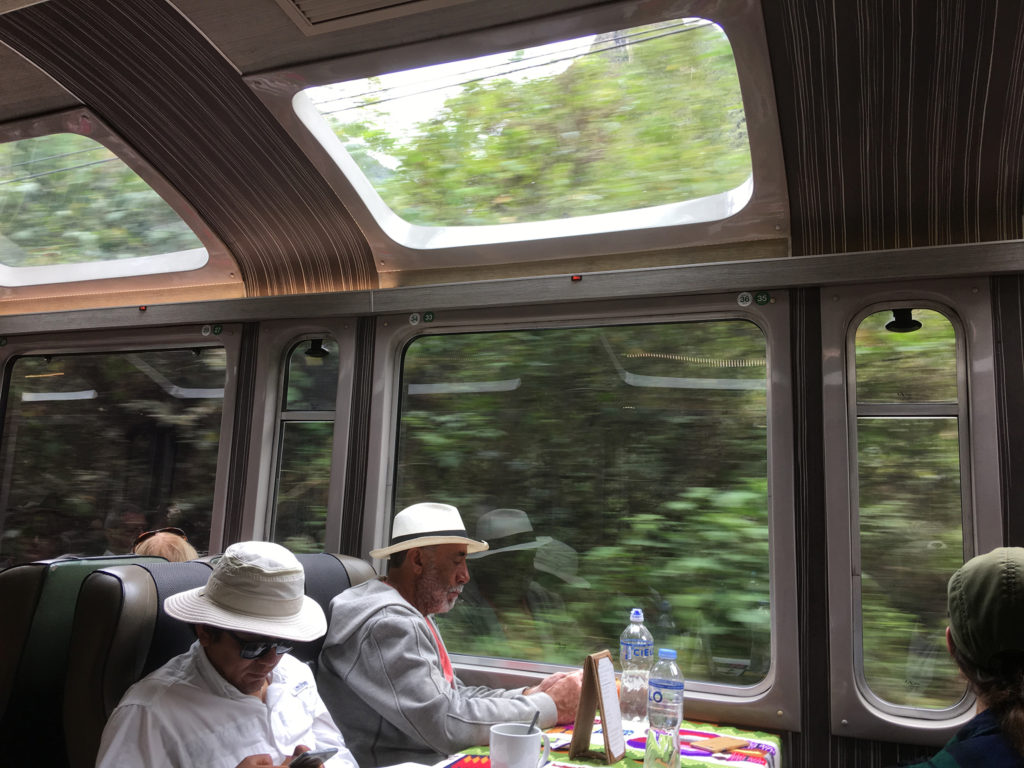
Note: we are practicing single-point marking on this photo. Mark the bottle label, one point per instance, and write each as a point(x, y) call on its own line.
point(633, 649)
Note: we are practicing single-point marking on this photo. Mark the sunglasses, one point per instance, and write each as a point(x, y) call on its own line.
point(254, 649)
point(150, 534)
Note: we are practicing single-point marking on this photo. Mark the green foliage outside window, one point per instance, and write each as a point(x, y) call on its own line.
point(641, 451)
point(65, 199)
point(305, 445)
point(910, 506)
point(642, 117)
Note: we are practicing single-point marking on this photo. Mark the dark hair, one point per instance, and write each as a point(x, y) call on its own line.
point(1001, 686)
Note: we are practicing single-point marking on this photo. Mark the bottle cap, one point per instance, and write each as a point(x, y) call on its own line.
point(666, 653)
point(637, 614)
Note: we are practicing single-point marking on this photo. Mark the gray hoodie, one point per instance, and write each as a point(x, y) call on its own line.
point(380, 676)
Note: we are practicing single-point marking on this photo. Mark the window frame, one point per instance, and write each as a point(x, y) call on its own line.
point(277, 339)
point(765, 216)
point(855, 711)
point(773, 704)
point(285, 417)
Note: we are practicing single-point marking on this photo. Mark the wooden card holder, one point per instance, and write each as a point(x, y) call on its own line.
point(598, 692)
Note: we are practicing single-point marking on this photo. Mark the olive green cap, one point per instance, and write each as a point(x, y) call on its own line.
point(986, 605)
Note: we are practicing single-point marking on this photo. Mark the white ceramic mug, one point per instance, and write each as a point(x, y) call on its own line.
point(516, 745)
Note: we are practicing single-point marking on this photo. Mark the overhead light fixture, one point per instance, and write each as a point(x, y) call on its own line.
point(903, 321)
point(316, 349)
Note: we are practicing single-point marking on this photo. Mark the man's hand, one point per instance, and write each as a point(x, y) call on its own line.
point(564, 690)
point(257, 761)
point(265, 761)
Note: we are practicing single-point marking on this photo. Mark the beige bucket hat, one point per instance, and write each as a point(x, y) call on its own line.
point(257, 587)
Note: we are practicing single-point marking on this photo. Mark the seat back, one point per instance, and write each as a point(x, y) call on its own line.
point(121, 634)
point(37, 601)
point(328, 574)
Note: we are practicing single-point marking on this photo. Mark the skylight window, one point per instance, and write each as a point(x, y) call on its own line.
point(70, 209)
point(637, 128)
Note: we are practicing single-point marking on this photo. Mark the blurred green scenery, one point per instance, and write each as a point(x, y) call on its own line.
point(613, 122)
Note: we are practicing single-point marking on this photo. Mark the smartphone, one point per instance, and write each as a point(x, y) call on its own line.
point(313, 758)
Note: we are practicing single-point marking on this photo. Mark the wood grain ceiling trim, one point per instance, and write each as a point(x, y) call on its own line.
point(902, 123)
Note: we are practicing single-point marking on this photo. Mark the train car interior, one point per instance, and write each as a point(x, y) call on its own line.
point(713, 308)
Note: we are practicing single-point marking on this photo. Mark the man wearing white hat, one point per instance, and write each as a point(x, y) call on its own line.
point(384, 671)
point(235, 698)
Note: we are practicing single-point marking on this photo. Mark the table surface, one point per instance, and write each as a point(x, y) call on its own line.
point(762, 749)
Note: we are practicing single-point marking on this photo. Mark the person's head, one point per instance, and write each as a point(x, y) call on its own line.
point(427, 556)
point(986, 606)
point(252, 609)
point(986, 633)
point(169, 543)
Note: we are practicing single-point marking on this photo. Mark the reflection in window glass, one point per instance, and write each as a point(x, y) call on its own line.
point(910, 506)
point(65, 199)
point(99, 447)
point(617, 121)
point(305, 445)
point(608, 468)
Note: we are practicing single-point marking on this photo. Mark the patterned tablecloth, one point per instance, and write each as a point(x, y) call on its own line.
point(760, 748)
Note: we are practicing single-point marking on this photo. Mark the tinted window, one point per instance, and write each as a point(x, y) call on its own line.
point(99, 447)
point(911, 505)
point(305, 440)
point(609, 468)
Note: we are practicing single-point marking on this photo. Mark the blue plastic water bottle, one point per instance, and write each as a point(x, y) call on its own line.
point(664, 711)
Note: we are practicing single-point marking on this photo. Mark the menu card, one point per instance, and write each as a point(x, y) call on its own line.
point(598, 693)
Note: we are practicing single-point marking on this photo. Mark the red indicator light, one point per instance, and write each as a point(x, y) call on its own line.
point(576, 278)
point(142, 308)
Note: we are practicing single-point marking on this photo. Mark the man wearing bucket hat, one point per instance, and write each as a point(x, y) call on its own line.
point(384, 671)
point(235, 698)
point(986, 639)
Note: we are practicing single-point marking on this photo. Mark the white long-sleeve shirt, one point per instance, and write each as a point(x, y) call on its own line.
point(185, 715)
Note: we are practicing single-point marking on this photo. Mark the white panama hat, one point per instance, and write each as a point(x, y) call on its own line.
point(257, 587)
point(424, 525)
point(509, 529)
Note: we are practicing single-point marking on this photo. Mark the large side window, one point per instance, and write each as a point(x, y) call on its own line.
point(100, 447)
point(608, 468)
point(909, 421)
point(304, 445)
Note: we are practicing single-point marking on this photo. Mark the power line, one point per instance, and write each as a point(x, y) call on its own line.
point(57, 170)
point(641, 37)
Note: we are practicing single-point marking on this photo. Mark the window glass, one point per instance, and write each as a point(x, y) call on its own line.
point(312, 383)
point(99, 447)
point(918, 366)
point(608, 468)
point(66, 199)
point(910, 506)
point(305, 445)
point(624, 120)
point(304, 472)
